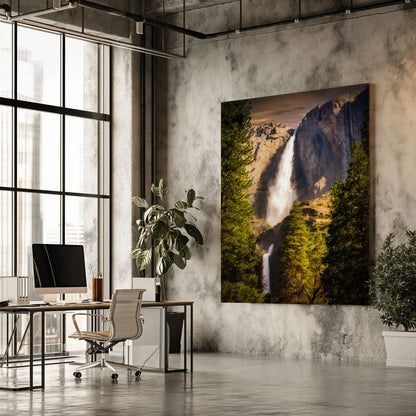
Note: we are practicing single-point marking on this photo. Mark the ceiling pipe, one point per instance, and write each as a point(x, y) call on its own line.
point(102, 40)
point(200, 35)
point(37, 13)
point(286, 22)
point(139, 18)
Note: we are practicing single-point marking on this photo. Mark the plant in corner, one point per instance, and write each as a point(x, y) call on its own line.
point(393, 291)
point(164, 233)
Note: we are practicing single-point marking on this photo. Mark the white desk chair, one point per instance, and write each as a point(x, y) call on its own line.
point(125, 323)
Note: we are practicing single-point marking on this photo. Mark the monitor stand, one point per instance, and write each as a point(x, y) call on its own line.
point(56, 299)
point(51, 298)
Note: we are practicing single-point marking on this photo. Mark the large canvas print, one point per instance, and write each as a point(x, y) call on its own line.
point(295, 198)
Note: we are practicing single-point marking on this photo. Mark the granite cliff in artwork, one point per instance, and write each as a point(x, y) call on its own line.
point(324, 140)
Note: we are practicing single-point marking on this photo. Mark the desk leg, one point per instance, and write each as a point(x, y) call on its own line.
point(192, 338)
point(166, 337)
point(42, 352)
point(7, 337)
point(15, 319)
point(185, 347)
point(30, 350)
point(9, 340)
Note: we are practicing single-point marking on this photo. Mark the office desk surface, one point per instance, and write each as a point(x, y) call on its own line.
point(82, 306)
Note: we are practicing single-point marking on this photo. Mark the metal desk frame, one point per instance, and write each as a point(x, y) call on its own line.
point(32, 310)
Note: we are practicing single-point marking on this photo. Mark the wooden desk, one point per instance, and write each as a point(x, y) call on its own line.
point(42, 309)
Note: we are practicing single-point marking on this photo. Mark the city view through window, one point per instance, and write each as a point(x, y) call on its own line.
point(54, 147)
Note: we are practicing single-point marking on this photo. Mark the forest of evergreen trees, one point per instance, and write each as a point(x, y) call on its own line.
point(240, 261)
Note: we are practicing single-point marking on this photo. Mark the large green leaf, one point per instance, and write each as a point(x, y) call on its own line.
point(140, 202)
point(181, 242)
point(163, 188)
point(144, 234)
point(182, 205)
point(136, 252)
point(153, 213)
point(159, 230)
point(186, 253)
point(143, 259)
point(178, 217)
point(171, 239)
point(155, 190)
point(163, 265)
point(190, 197)
point(194, 232)
point(179, 260)
point(158, 252)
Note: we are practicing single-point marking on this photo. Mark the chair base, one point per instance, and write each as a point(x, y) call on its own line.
point(112, 365)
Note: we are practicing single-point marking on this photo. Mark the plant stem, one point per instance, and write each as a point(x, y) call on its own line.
point(163, 286)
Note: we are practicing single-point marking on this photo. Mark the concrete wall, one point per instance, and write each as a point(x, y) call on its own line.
point(126, 162)
point(378, 49)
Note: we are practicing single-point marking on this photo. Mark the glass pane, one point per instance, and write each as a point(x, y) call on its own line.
point(38, 221)
point(81, 155)
point(6, 224)
point(82, 75)
point(81, 227)
point(105, 158)
point(6, 150)
point(38, 147)
point(6, 60)
point(38, 66)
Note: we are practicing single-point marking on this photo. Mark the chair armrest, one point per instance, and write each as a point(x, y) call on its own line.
point(103, 319)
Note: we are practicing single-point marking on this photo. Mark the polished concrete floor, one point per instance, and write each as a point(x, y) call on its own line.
point(223, 384)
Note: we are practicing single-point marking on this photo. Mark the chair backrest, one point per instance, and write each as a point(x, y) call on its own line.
point(124, 315)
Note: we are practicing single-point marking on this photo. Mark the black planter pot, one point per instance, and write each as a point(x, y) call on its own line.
point(175, 324)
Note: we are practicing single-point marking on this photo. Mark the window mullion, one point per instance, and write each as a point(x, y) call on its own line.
point(63, 147)
point(14, 149)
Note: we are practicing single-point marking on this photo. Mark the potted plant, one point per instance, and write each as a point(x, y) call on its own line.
point(164, 233)
point(393, 290)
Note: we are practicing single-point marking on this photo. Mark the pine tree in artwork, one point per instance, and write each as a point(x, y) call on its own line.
point(240, 263)
point(301, 261)
point(345, 279)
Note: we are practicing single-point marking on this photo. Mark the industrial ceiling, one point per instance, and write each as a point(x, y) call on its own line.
point(189, 18)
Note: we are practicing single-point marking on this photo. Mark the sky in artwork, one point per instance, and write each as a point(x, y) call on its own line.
point(290, 109)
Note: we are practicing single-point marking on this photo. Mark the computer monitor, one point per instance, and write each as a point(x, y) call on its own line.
point(59, 269)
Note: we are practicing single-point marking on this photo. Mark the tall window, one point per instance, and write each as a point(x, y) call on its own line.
point(54, 147)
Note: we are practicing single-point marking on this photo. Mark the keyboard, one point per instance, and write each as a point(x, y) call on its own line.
point(35, 305)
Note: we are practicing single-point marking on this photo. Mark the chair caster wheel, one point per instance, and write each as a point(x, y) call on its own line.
point(77, 374)
point(114, 376)
point(138, 373)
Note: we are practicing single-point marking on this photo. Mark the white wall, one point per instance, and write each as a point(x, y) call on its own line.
point(378, 49)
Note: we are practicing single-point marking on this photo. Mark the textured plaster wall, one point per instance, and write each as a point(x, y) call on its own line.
point(125, 166)
point(378, 49)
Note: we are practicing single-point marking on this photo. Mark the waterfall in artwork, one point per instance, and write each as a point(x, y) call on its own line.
point(266, 270)
point(282, 192)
